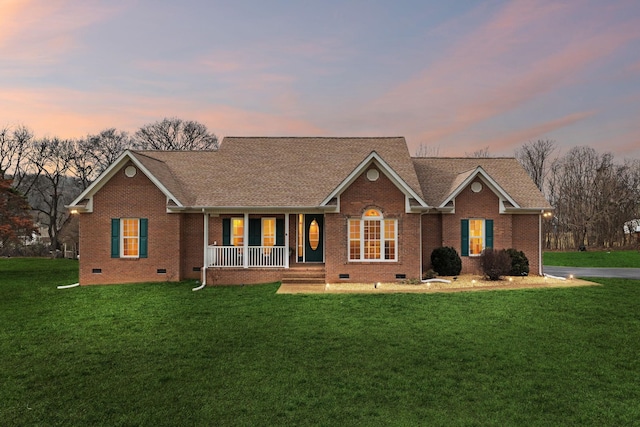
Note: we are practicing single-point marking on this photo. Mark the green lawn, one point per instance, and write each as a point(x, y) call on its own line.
point(160, 354)
point(593, 259)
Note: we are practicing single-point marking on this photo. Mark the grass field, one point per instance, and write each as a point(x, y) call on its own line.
point(160, 354)
point(622, 259)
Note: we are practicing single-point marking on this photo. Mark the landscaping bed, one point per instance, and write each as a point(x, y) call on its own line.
point(466, 282)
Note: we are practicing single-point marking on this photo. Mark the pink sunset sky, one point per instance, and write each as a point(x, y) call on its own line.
point(458, 76)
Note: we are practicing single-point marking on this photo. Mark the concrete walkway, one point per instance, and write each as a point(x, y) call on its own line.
point(621, 273)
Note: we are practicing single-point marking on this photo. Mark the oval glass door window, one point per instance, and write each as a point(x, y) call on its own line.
point(314, 235)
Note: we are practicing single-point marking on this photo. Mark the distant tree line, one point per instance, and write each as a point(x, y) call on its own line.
point(51, 172)
point(596, 199)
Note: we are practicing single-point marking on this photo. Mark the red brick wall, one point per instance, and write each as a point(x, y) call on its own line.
point(526, 235)
point(361, 195)
point(192, 253)
point(431, 237)
point(124, 197)
point(243, 276)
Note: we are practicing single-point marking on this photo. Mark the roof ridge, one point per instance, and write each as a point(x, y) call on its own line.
point(463, 158)
point(142, 153)
point(313, 137)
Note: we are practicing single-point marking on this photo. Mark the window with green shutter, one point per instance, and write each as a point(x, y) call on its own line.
point(129, 238)
point(476, 235)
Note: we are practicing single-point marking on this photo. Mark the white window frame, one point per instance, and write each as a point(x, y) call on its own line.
point(123, 237)
point(482, 236)
point(360, 223)
point(264, 235)
point(235, 236)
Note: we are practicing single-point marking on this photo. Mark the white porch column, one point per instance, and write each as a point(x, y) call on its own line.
point(206, 240)
point(245, 241)
point(286, 240)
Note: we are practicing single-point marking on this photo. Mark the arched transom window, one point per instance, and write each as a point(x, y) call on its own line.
point(373, 238)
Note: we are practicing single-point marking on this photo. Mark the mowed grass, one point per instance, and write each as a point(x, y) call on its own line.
point(160, 354)
point(621, 259)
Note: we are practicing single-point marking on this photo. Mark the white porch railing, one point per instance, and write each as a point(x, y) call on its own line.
point(233, 256)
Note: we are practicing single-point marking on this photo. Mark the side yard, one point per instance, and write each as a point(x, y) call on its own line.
point(160, 354)
point(619, 259)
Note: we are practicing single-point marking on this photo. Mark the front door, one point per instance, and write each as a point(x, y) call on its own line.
point(314, 238)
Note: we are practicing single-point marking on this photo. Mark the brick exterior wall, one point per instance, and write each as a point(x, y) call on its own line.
point(354, 201)
point(431, 237)
point(123, 197)
point(526, 237)
point(192, 245)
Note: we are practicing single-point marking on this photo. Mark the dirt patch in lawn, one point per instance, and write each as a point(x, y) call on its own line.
point(458, 284)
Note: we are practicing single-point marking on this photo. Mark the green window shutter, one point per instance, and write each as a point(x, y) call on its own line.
point(488, 233)
point(255, 232)
point(226, 231)
point(280, 232)
point(144, 237)
point(464, 242)
point(115, 238)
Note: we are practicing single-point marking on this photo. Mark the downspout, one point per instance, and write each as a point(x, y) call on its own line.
point(204, 258)
point(68, 286)
point(540, 273)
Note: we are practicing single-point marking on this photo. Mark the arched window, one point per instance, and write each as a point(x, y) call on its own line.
point(373, 238)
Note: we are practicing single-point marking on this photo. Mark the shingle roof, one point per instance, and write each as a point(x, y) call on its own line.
point(439, 177)
point(272, 172)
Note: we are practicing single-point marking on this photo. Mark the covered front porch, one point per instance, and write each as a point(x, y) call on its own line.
point(262, 240)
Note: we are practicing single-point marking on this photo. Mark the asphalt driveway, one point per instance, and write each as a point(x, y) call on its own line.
point(621, 273)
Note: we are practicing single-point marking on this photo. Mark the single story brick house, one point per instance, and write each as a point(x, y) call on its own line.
point(354, 209)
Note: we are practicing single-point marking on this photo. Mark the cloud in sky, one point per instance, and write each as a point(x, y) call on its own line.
point(459, 76)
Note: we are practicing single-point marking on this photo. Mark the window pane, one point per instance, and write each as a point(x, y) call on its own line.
point(354, 250)
point(354, 229)
point(354, 239)
point(372, 212)
point(300, 234)
point(268, 231)
point(130, 227)
point(314, 235)
point(390, 229)
point(390, 249)
point(372, 239)
point(130, 237)
point(237, 225)
point(476, 239)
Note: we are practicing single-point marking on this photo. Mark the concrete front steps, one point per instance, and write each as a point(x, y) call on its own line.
point(307, 279)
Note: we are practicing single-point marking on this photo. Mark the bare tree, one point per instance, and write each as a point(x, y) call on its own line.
point(534, 157)
point(425, 150)
point(594, 198)
point(95, 153)
point(175, 134)
point(480, 153)
point(14, 146)
point(52, 188)
point(106, 147)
